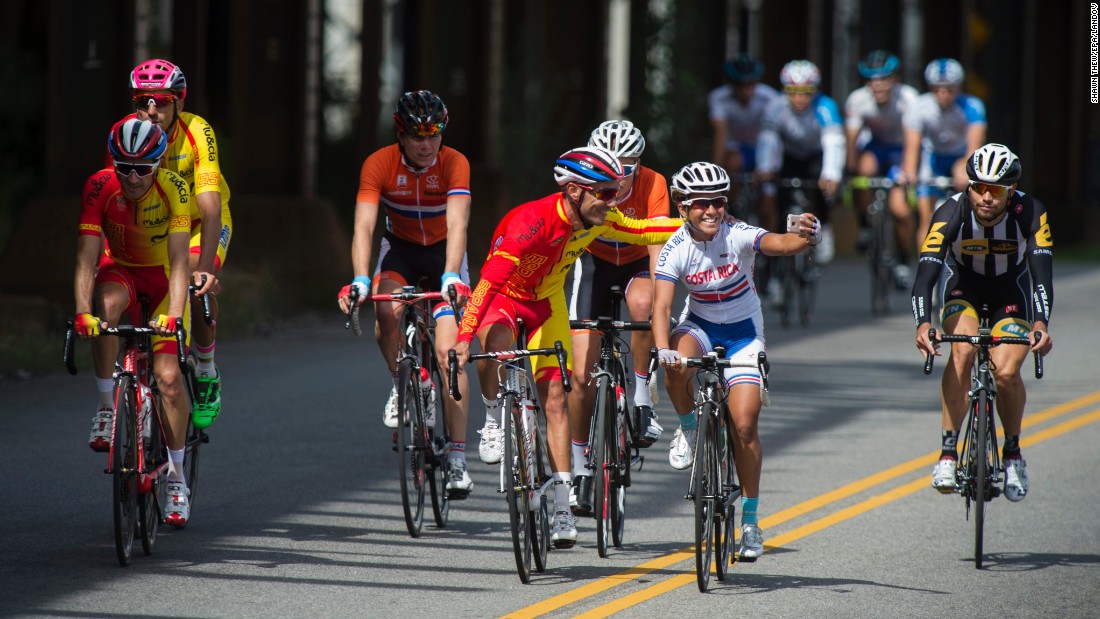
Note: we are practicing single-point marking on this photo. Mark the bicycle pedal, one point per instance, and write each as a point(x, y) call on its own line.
point(457, 495)
point(636, 462)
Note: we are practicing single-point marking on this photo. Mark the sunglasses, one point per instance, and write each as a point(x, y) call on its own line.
point(705, 203)
point(994, 190)
point(606, 194)
point(800, 90)
point(629, 169)
point(143, 101)
point(141, 169)
point(428, 130)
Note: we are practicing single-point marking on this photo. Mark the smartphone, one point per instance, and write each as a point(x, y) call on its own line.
point(792, 223)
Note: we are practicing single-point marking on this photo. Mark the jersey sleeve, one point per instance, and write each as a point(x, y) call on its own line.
point(853, 112)
point(179, 198)
point(94, 197)
point(458, 173)
point(371, 177)
point(714, 104)
point(1040, 262)
point(208, 172)
point(974, 108)
point(669, 266)
point(657, 204)
point(619, 227)
point(941, 233)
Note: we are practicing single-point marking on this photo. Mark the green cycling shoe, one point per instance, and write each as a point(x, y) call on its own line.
point(208, 400)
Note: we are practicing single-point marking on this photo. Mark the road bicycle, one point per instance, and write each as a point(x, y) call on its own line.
point(421, 436)
point(137, 458)
point(524, 478)
point(797, 274)
point(980, 473)
point(880, 251)
point(612, 429)
point(713, 485)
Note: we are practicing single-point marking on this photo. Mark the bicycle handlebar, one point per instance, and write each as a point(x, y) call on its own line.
point(984, 340)
point(207, 317)
point(604, 323)
point(123, 331)
point(871, 182)
point(508, 355)
point(406, 296)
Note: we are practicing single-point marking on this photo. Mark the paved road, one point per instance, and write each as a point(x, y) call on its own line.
point(298, 513)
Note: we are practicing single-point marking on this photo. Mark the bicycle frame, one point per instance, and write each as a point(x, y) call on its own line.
point(796, 273)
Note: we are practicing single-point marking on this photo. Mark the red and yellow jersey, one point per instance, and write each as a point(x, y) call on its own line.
point(648, 199)
point(193, 154)
point(136, 231)
point(415, 200)
point(534, 247)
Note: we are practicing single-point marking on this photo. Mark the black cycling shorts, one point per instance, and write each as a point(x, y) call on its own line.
point(592, 282)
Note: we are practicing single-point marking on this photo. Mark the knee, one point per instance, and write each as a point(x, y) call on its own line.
point(1007, 378)
point(170, 381)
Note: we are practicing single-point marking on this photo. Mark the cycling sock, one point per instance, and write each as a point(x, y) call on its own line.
point(175, 465)
point(949, 444)
point(456, 450)
point(562, 483)
point(688, 421)
point(106, 389)
point(748, 510)
point(641, 390)
point(492, 408)
point(204, 355)
point(1012, 447)
point(580, 458)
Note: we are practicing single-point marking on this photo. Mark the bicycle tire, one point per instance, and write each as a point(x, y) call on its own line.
point(517, 487)
point(705, 472)
point(789, 284)
point(807, 289)
point(410, 459)
point(441, 501)
point(727, 517)
point(540, 518)
point(604, 415)
point(124, 469)
point(619, 479)
point(881, 277)
point(982, 470)
point(150, 499)
point(195, 439)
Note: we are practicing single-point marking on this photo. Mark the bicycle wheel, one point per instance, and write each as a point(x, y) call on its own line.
point(150, 499)
point(441, 502)
point(705, 471)
point(807, 287)
point(881, 277)
point(726, 518)
point(540, 513)
point(604, 444)
point(410, 443)
point(124, 468)
point(982, 470)
point(619, 478)
point(517, 486)
point(789, 283)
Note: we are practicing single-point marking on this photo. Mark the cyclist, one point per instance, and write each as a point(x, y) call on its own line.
point(991, 239)
point(940, 129)
point(134, 229)
point(159, 89)
point(534, 247)
point(608, 263)
point(713, 257)
point(873, 115)
point(802, 138)
point(736, 114)
point(424, 189)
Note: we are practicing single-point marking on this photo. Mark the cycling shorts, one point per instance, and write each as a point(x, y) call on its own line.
point(888, 157)
point(743, 340)
point(933, 164)
point(223, 240)
point(410, 264)
point(1010, 311)
point(545, 320)
point(149, 282)
point(592, 282)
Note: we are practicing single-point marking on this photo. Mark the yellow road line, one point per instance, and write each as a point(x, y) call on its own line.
point(603, 584)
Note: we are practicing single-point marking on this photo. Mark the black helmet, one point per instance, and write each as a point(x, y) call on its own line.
point(743, 69)
point(420, 112)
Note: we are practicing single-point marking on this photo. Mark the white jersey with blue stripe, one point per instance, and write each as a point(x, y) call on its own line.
point(816, 130)
point(717, 273)
point(882, 122)
point(743, 121)
point(944, 130)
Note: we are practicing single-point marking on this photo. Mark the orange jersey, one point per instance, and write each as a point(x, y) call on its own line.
point(136, 231)
point(193, 154)
point(415, 201)
point(534, 247)
point(648, 199)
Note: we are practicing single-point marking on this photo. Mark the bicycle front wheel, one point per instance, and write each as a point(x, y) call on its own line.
point(982, 489)
point(151, 496)
point(441, 502)
point(725, 520)
point(540, 511)
point(619, 479)
point(124, 468)
point(517, 486)
point(881, 276)
point(410, 447)
point(603, 417)
point(706, 488)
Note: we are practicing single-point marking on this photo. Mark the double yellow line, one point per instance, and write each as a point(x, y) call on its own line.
point(801, 509)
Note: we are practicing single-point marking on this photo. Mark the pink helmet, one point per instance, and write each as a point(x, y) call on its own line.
point(157, 74)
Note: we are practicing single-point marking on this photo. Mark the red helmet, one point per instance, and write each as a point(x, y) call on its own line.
point(131, 138)
point(157, 74)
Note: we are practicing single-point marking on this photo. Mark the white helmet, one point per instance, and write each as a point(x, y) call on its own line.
point(620, 137)
point(699, 177)
point(800, 73)
point(994, 163)
point(944, 72)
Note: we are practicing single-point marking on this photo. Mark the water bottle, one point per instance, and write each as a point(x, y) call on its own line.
point(427, 389)
point(145, 411)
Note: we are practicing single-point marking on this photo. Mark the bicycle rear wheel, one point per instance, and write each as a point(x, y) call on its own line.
point(441, 502)
point(619, 478)
point(602, 459)
point(877, 253)
point(151, 496)
point(706, 487)
point(517, 485)
point(982, 469)
point(124, 468)
point(410, 446)
point(540, 513)
point(807, 288)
